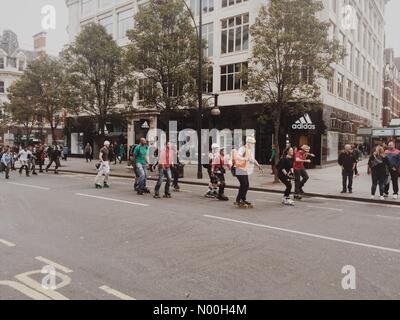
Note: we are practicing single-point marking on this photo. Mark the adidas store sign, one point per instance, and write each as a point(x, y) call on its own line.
point(304, 123)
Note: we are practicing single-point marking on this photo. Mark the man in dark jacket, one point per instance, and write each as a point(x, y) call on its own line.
point(348, 162)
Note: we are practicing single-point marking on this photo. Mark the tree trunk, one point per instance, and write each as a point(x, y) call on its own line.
point(53, 133)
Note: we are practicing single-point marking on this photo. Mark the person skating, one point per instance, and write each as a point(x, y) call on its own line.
point(6, 161)
point(378, 165)
point(212, 191)
point(165, 163)
point(175, 172)
point(286, 174)
point(300, 173)
point(348, 162)
point(103, 173)
point(32, 161)
point(24, 156)
point(218, 171)
point(393, 156)
point(140, 159)
point(243, 166)
point(54, 154)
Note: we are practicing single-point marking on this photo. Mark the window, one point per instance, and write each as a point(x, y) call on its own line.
point(208, 81)
point(87, 7)
point(235, 34)
point(330, 84)
point(1, 63)
point(105, 3)
point(355, 98)
point(362, 98)
point(21, 65)
point(108, 24)
point(307, 75)
point(348, 90)
point(340, 83)
point(231, 76)
point(145, 89)
point(125, 23)
point(358, 63)
point(208, 35)
point(2, 87)
point(228, 3)
point(208, 6)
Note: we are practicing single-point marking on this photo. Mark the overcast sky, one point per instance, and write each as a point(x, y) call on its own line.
point(24, 18)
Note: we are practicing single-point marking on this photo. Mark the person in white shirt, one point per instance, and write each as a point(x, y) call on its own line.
point(24, 157)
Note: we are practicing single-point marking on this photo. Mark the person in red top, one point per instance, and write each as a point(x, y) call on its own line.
point(165, 163)
point(217, 174)
point(300, 173)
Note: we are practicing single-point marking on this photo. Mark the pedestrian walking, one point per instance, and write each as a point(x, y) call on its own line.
point(140, 159)
point(300, 173)
point(272, 159)
point(88, 152)
point(348, 162)
point(122, 153)
point(286, 174)
point(103, 167)
point(244, 162)
point(358, 156)
point(165, 163)
point(378, 165)
point(65, 152)
point(6, 161)
point(393, 156)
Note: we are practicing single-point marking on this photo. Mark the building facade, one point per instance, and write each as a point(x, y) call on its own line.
point(351, 99)
point(391, 90)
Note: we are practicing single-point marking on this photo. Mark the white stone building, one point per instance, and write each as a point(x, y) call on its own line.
point(352, 98)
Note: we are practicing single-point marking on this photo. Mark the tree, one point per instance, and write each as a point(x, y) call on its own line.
point(43, 89)
point(99, 77)
point(164, 51)
point(291, 53)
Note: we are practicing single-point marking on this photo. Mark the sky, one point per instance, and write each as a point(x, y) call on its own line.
point(24, 17)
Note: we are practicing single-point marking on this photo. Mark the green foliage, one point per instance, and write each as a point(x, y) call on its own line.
point(96, 72)
point(164, 50)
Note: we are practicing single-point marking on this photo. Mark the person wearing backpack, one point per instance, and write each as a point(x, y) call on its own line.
point(378, 165)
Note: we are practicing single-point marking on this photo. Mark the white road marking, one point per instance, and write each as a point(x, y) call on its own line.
point(326, 208)
point(110, 199)
point(28, 186)
point(24, 290)
point(7, 243)
point(116, 293)
point(54, 264)
point(360, 244)
point(388, 217)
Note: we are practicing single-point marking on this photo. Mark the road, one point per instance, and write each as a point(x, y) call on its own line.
point(113, 244)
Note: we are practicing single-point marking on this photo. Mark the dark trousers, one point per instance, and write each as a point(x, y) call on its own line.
point(175, 176)
point(347, 180)
point(394, 175)
point(356, 169)
point(244, 187)
point(301, 177)
point(26, 167)
point(88, 157)
point(221, 183)
point(288, 183)
point(7, 170)
point(378, 180)
point(56, 161)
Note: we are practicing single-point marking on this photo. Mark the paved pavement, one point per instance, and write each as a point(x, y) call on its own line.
point(325, 181)
point(113, 244)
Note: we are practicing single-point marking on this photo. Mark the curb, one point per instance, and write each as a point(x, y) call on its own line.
point(312, 195)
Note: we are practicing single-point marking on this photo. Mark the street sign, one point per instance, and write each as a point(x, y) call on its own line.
point(382, 132)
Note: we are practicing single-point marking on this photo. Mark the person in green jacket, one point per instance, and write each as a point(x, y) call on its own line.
point(122, 153)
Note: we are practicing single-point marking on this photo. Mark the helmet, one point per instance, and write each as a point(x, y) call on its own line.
point(106, 143)
point(215, 146)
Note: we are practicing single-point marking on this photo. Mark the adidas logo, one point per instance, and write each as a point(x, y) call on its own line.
point(304, 123)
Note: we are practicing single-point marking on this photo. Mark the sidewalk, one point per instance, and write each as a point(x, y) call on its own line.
point(325, 182)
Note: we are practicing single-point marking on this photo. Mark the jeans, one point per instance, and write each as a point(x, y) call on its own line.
point(378, 180)
point(301, 177)
point(244, 185)
point(24, 165)
point(288, 183)
point(347, 175)
point(394, 175)
point(141, 173)
point(161, 174)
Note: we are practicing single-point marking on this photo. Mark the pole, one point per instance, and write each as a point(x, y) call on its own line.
point(200, 92)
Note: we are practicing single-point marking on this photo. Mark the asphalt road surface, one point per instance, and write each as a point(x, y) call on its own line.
point(113, 244)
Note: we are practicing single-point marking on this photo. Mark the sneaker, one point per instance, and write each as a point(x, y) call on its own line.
point(288, 202)
point(372, 197)
point(395, 197)
point(381, 198)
